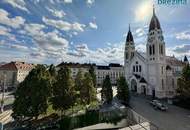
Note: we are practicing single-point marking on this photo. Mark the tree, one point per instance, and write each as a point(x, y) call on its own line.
point(79, 85)
point(52, 70)
point(123, 90)
point(88, 91)
point(53, 73)
point(63, 91)
point(184, 86)
point(32, 94)
point(93, 75)
point(107, 92)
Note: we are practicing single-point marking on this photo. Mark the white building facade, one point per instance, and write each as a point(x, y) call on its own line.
point(11, 74)
point(151, 73)
point(113, 70)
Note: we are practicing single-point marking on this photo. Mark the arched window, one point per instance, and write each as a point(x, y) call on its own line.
point(153, 50)
point(140, 69)
point(162, 84)
point(133, 68)
point(161, 49)
point(150, 50)
point(137, 68)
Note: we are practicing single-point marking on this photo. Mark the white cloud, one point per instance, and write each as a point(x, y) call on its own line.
point(90, 2)
point(57, 13)
point(140, 32)
point(183, 35)
point(20, 47)
point(185, 48)
point(68, 1)
point(93, 25)
point(113, 53)
point(75, 33)
point(82, 47)
point(20, 4)
point(4, 31)
point(63, 25)
point(50, 41)
point(34, 29)
point(141, 47)
point(15, 22)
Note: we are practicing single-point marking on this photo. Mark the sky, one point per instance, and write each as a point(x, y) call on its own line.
point(86, 31)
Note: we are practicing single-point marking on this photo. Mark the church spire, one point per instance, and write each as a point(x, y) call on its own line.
point(153, 10)
point(129, 27)
point(185, 59)
point(154, 23)
point(129, 36)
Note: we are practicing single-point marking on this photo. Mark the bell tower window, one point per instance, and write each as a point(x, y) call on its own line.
point(137, 69)
point(161, 49)
point(153, 50)
point(133, 68)
point(150, 50)
point(162, 84)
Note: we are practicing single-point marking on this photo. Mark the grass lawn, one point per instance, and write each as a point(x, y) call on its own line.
point(78, 109)
point(8, 101)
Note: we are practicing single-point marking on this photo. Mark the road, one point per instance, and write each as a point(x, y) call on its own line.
point(175, 118)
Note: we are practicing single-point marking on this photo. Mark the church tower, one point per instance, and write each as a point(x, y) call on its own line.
point(129, 51)
point(185, 60)
point(156, 64)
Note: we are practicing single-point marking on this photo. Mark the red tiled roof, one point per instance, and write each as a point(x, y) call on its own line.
point(17, 66)
point(174, 61)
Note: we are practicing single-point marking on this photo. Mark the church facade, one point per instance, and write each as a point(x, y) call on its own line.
point(152, 73)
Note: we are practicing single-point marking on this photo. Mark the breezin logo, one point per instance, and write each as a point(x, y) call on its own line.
point(172, 2)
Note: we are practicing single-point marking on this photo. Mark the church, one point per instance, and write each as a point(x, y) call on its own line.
point(152, 73)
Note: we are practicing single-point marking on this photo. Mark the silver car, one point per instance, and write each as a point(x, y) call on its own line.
point(161, 107)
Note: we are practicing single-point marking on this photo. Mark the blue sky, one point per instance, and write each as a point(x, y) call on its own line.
point(52, 31)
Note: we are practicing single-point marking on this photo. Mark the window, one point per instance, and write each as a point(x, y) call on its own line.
point(162, 84)
point(137, 68)
point(140, 69)
point(162, 69)
point(133, 68)
point(153, 50)
point(136, 62)
point(150, 50)
point(161, 49)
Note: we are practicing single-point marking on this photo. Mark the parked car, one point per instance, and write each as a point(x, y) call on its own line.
point(158, 105)
point(153, 102)
point(161, 107)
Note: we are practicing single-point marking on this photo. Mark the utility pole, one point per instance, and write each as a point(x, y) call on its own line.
point(3, 94)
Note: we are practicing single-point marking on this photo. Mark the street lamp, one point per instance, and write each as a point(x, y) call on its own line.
point(3, 94)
